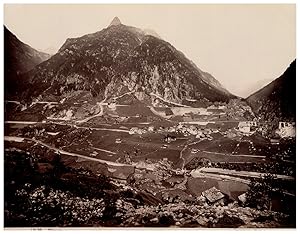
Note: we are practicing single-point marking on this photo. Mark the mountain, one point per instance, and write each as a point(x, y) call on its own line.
point(50, 50)
point(18, 58)
point(115, 21)
point(277, 100)
point(208, 78)
point(256, 85)
point(123, 59)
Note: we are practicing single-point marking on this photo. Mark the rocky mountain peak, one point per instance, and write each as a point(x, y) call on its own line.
point(115, 21)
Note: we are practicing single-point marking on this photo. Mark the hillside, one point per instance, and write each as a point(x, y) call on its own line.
point(121, 59)
point(18, 59)
point(277, 100)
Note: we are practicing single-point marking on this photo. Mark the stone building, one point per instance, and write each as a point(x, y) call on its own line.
point(286, 129)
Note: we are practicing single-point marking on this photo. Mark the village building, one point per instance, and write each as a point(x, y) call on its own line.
point(118, 141)
point(169, 139)
point(171, 129)
point(133, 130)
point(247, 126)
point(140, 95)
point(112, 105)
point(193, 131)
point(127, 159)
point(244, 127)
point(215, 131)
point(212, 107)
point(286, 129)
point(151, 128)
point(179, 171)
point(68, 114)
point(200, 135)
point(194, 151)
point(253, 123)
point(136, 130)
point(180, 125)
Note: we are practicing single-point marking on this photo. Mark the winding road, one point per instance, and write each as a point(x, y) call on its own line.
point(94, 116)
point(20, 139)
point(184, 148)
point(110, 163)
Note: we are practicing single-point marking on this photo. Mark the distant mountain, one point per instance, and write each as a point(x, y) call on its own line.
point(257, 85)
point(277, 100)
point(18, 58)
point(50, 50)
point(122, 59)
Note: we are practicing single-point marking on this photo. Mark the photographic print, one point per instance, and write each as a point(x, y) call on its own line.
point(167, 115)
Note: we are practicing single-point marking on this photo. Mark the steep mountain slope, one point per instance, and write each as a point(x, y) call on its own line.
point(122, 59)
point(277, 100)
point(87, 63)
point(157, 68)
point(18, 58)
point(208, 78)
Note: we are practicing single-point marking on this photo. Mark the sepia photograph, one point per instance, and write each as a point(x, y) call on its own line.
point(149, 116)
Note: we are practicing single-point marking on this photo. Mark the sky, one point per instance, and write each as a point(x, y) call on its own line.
point(242, 46)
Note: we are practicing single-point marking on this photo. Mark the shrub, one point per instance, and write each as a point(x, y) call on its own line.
point(260, 192)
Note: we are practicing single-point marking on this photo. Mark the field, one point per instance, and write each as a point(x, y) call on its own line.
point(231, 188)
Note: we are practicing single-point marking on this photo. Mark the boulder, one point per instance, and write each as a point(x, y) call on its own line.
point(242, 198)
point(202, 221)
point(229, 222)
point(213, 195)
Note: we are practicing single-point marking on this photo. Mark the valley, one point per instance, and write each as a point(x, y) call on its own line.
point(121, 129)
point(166, 159)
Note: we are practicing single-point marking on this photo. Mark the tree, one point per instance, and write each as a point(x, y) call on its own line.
point(260, 191)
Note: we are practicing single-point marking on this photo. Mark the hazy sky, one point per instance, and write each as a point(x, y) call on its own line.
point(243, 46)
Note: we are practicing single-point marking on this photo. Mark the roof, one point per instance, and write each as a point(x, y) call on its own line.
point(244, 124)
point(213, 194)
point(287, 122)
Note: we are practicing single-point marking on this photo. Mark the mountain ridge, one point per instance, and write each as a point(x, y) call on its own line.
point(277, 100)
point(19, 58)
point(92, 61)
